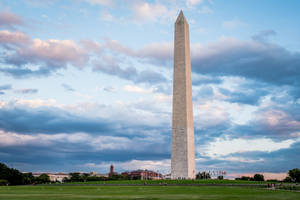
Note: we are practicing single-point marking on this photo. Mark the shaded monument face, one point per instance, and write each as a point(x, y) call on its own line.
point(183, 153)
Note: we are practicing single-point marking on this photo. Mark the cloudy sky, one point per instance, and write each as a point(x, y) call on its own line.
point(88, 83)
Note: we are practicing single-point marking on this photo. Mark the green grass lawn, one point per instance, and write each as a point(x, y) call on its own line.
point(141, 192)
point(197, 181)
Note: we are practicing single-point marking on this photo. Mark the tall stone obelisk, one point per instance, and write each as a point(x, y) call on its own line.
point(183, 151)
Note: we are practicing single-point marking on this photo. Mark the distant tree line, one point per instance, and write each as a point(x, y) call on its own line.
point(10, 176)
point(256, 177)
point(293, 176)
point(85, 177)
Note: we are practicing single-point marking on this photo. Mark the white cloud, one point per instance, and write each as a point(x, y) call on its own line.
point(9, 139)
point(15, 38)
point(111, 143)
point(54, 53)
point(151, 112)
point(153, 52)
point(223, 44)
point(192, 3)
point(240, 159)
point(225, 146)
point(12, 139)
point(136, 89)
point(209, 113)
point(35, 103)
point(147, 12)
point(106, 16)
point(157, 51)
point(98, 143)
point(2, 104)
point(101, 2)
point(275, 118)
point(295, 134)
point(162, 98)
point(9, 19)
point(93, 142)
point(57, 51)
point(116, 46)
point(91, 46)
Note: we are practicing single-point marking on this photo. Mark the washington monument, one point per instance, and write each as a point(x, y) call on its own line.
point(183, 152)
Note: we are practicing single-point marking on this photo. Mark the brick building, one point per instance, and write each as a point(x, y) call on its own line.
point(143, 175)
point(111, 171)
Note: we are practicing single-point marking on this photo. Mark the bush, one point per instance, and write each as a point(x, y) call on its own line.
point(96, 178)
point(43, 178)
point(295, 174)
point(76, 177)
point(28, 178)
point(65, 180)
point(259, 177)
point(203, 175)
point(3, 182)
point(288, 179)
point(119, 177)
point(245, 178)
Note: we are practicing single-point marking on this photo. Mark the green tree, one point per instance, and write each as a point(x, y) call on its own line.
point(43, 178)
point(28, 178)
point(75, 177)
point(84, 176)
point(117, 177)
point(203, 175)
point(13, 176)
point(295, 174)
point(259, 177)
point(288, 179)
point(245, 178)
point(65, 180)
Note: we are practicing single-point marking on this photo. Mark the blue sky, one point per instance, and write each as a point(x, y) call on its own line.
point(88, 83)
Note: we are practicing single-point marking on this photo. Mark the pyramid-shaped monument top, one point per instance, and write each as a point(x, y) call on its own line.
point(181, 18)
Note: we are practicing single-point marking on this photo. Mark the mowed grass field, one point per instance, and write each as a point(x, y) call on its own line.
point(65, 192)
